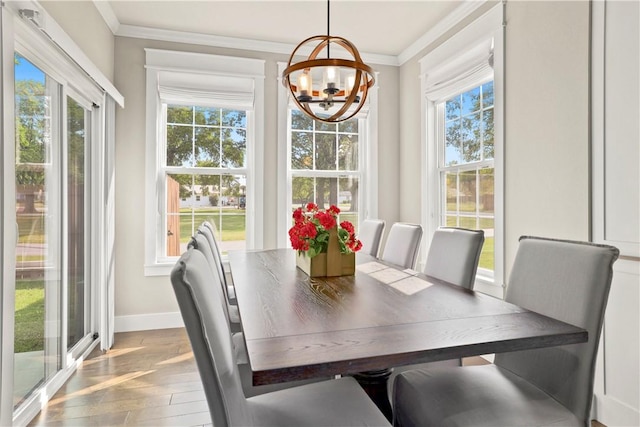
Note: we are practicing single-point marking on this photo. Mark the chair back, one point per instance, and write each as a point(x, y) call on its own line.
point(206, 229)
point(454, 254)
point(203, 314)
point(568, 281)
point(403, 243)
point(200, 243)
point(370, 234)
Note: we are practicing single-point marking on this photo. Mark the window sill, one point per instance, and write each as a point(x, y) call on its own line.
point(487, 285)
point(159, 269)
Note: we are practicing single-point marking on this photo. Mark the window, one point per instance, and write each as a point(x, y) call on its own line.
point(211, 144)
point(204, 152)
point(325, 167)
point(326, 163)
point(462, 159)
point(466, 165)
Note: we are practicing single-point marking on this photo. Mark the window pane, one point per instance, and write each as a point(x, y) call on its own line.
point(179, 145)
point(486, 186)
point(471, 101)
point(453, 153)
point(301, 150)
point(487, 133)
point(300, 121)
point(468, 222)
point(487, 255)
point(234, 118)
point(325, 127)
point(451, 193)
point(487, 95)
point(348, 152)
point(234, 146)
point(207, 116)
point(348, 197)
point(326, 192)
point(348, 126)
point(325, 151)
point(179, 114)
point(225, 208)
point(467, 191)
point(207, 147)
point(471, 129)
point(452, 108)
point(302, 191)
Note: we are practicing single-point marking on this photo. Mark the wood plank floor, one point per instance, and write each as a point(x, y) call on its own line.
point(148, 378)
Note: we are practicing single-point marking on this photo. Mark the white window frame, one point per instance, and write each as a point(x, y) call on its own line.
point(458, 65)
point(185, 65)
point(367, 160)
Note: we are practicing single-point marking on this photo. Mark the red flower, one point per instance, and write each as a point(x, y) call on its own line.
point(298, 215)
point(311, 232)
point(326, 220)
point(333, 210)
point(348, 226)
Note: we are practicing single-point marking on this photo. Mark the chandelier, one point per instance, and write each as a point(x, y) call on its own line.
point(335, 100)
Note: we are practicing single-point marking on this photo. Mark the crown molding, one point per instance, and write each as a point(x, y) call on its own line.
point(110, 18)
point(230, 42)
point(450, 21)
point(123, 30)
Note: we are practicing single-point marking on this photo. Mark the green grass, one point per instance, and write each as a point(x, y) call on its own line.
point(31, 228)
point(228, 221)
point(29, 317)
point(487, 254)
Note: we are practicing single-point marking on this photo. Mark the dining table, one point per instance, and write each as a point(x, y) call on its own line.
point(296, 327)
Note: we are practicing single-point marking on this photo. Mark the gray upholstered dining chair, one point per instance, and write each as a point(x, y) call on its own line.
point(201, 243)
point(370, 234)
point(403, 243)
point(336, 402)
point(562, 279)
point(207, 229)
point(453, 256)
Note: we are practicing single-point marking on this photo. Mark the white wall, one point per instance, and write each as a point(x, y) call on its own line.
point(84, 24)
point(547, 189)
point(141, 301)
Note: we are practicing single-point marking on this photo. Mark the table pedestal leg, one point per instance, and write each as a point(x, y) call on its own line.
point(374, 384)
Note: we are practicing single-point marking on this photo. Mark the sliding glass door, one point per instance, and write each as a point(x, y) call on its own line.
point(56, 210)
point(37, 327)
point(52, 281)
point(78, 293)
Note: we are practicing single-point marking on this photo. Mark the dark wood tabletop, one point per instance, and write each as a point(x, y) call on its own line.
point(296, 327)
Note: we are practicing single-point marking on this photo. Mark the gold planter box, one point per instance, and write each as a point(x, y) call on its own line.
point(319, 266)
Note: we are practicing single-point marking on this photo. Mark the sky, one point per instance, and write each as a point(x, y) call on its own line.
point(25, 70)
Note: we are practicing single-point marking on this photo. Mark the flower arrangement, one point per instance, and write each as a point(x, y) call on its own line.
point(310, 232)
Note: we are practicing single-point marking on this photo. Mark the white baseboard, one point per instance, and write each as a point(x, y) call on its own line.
point(145, 322)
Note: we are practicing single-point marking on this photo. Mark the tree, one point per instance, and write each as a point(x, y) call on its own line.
point(334, 148)
point(205, 137)
point(469, 124)
point(31, 139)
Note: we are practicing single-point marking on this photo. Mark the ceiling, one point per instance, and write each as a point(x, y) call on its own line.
point(375, 27)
